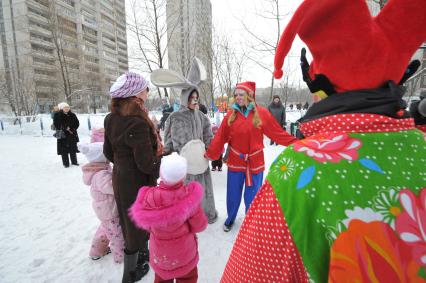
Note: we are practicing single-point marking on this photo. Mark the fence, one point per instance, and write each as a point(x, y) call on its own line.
point(40, 125)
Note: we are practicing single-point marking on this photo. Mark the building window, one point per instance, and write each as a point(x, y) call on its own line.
point(90, 31)
point(66, 12)
point(90, 49)
point(91, 59)
point(92, 69)
point(67, 23)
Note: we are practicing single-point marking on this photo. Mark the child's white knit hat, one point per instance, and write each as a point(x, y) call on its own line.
point(173, 169)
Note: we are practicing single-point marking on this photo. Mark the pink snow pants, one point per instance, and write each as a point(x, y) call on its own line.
point(108, 235)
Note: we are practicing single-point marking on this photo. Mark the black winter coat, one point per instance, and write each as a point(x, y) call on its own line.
point(131, 145)
point(278, 111)
point(68, 122)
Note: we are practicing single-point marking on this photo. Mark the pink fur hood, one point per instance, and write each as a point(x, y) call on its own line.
point(173, 215)
point(165, 205)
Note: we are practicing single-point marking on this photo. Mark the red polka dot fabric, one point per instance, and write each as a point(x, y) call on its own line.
point(264, 250)
point(421, 128)
point(358, 123)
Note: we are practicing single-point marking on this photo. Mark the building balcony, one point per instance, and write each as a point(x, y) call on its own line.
point(38, 18)
point(89, 3)
point(108, 4)
point(89, 22)
point(45, 66)
point(41, 29)
point(42, 53)
point(109, 48)
point(43, 43)
point(123, 54)
point(106, 39)
point(107, 31)
point(68, 14)
point(45, 78)
point(119, 4)
point(38, 6)
point(123, 61)
point(106, 10)
point(122, 48)
point(120, 39)
point(122, 45)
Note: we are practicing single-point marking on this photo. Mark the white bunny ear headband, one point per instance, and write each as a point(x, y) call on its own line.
point(168, 78)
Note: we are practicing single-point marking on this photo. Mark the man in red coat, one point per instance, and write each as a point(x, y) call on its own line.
point(243, 128)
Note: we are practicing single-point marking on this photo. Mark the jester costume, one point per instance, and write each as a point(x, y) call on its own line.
point(348, 202)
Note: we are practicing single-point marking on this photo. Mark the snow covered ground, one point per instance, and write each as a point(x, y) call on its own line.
point(47, 223)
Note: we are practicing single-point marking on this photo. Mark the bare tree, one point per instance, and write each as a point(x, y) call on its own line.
point(21, 95)
point(265, 44)
point(228, 65)
point(66, 49)
point(148, 26)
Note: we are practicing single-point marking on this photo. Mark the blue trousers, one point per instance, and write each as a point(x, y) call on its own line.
point(234, 191)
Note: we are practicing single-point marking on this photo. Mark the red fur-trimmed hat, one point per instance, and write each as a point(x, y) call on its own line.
point(352, 48)
point(249, 87)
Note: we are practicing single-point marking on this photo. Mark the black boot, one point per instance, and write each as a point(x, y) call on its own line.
point(133, 272)
point(143, 257)
point(65, 160)
point(73, 156)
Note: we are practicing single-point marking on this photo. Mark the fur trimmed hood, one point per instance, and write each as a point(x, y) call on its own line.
point(163, 206)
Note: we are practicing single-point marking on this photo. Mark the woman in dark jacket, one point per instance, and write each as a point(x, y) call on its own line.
point(67, 121)
point(132, 144)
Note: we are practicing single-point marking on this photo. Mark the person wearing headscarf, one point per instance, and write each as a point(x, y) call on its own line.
point(133, 146)
point(66, 124)
point(347, 203)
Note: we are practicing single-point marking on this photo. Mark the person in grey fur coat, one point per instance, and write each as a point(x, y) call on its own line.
point(187, 125)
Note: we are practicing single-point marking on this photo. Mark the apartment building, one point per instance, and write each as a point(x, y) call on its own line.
point(88, 35)
point(189, 30)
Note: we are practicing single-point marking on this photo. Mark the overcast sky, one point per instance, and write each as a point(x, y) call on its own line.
point(228, 16)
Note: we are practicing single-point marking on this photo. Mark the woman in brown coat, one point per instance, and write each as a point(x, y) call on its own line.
point(132, 144)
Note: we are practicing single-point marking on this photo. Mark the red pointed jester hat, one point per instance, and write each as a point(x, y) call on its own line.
point(352, 48)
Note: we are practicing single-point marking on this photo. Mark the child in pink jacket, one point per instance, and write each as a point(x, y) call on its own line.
point(172, 213)
point(98, 175)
